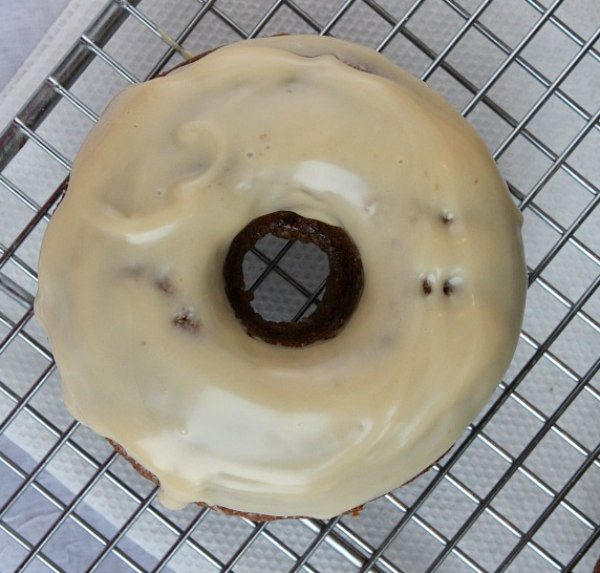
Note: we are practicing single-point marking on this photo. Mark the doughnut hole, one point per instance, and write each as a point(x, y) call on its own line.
point(315, 266)
point(292, 288)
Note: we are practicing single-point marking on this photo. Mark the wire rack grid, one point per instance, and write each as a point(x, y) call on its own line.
point(520, 491)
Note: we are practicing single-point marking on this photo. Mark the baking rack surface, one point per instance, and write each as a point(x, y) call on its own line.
point(520, 491)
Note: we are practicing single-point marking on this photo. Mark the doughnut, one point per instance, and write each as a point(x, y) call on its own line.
point(142, 293)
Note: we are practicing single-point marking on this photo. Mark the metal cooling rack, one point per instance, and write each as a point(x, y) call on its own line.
point(521, 489)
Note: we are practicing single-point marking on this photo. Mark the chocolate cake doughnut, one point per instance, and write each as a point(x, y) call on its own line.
point(142, 293)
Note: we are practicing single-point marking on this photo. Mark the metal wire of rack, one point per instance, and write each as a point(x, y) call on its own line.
point(520, 491)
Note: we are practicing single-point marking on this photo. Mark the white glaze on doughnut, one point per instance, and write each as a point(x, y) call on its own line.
point(174, 169)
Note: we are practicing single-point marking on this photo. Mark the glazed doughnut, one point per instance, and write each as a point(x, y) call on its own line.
point(136, 275)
